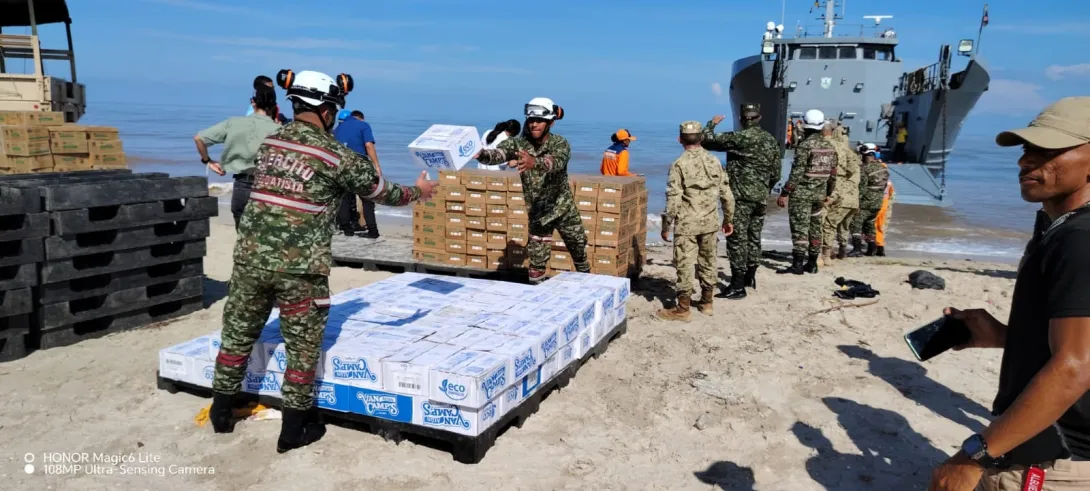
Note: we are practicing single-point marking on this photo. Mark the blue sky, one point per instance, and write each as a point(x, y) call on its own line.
point(603, 61)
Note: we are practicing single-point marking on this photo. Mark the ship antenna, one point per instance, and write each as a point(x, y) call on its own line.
point(979, 32)
point(783, 11)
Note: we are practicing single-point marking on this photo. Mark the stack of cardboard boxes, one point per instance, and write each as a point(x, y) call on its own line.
point(43, 142)
point(479, 219)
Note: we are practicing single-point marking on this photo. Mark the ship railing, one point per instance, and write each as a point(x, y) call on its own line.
point(920, 80)
point(845, 30)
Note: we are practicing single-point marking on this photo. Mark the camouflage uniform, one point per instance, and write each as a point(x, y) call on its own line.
point(697, 182)
point(844, 206)
point(283, 251)
point(811, 179)
point(753, 165)
point(872, 188)
point(549, 199)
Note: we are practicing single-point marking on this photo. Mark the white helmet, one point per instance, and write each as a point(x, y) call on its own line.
point(814, 120)
point(543, 108)
point(868, 148)
point(315, 88)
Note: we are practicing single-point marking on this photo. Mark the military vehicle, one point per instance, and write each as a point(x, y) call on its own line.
point(854, 76)
point(36, 90)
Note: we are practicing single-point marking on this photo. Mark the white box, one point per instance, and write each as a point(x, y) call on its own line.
point(447, 334)
point(491, 342)
point(525, 354)
point(470, 337)
point(517, 327)
point(472, 382)
point(357, 364)
point(411, 376)
point(572, 352)
point(263, 383)
point(621, 287)
point(257, 358)
point(387, 336)
point(546, 335)
point(550, 368)
point(456, 419)
point(498, 322)
point(275, 353)
point(445, 147)
point(570, 322)
point(185, 362)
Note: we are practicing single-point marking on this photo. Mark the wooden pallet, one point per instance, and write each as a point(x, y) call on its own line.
point(464, 449)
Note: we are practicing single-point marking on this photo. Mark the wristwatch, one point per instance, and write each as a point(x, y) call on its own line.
point(206, 160)
point(977, 449)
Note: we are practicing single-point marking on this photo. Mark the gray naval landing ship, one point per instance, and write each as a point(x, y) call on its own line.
point(855, 77)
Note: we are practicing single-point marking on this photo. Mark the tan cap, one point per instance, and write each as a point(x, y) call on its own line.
point(1064, 124)
point(690, 127)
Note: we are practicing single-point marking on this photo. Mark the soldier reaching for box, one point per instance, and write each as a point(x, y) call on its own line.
point(542, 161)
point(696, 185)
point(283, 249)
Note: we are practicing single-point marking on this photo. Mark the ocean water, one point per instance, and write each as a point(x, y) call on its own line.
point(987, 219)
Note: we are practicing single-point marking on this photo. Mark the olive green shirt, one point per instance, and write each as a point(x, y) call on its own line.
point(241, 136)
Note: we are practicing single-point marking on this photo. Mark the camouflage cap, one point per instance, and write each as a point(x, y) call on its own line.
point(691, 127)
point(751, 110)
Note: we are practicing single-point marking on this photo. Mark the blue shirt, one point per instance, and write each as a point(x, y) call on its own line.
point(354, 134)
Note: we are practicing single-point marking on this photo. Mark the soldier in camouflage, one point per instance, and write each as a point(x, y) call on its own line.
point(542, 161)
point(753, 165)
point(697, 186)
point(282, 254)
point(812, 176)
point(872, 188)
point(843, 203)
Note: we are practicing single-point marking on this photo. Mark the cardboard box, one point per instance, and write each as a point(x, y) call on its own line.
point(496, 182)
point(429, 216)
point(515, 200)
point(561, 260)
point(642, 200)
point(514, 183)
point(436, 203)
point(496, 224)
point(475, 210)
point(64, 163)
point(476, 223)
point(450, 178)
point(456, 207)
point(497, 239)
point(518, 213)
point(611, 204)
point(517, 257)
point(22, 134)
point(475, 180)
point(101, 133)
point(478, 237)
point(476, 197)
point(457, 246)
point(105, 147)
point(430, 244)
point(30, 149)
point(476, 248)
point(452, 259)
point(454, 193)
point(496, 210)
point(497, 198)
point(428, 257)
point(31, 118)
point(518, 238)
point(518, 226)
point(480, 262)
point(497, 259)
point(22, 165)
point(52, 118)
point(458, 234)
point(609, 234)
point(586, 204)
point(456, 220)
point(587, 188)
point(590, 219)
point(68, 139)
point(429, 228)
point(625, 187)
point(445, 147)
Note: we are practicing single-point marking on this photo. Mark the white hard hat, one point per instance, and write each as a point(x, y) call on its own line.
point(315, 88)
point(868, 148)
point(543, 108)
point(771, 26)
point(814, 119)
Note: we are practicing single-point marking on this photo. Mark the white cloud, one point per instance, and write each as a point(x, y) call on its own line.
point(1070, 28)
point(1060, 72)
point(1012, 98)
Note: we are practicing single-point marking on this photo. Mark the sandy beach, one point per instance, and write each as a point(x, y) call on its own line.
point(778, 391)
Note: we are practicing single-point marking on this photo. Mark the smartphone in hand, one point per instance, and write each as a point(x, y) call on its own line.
point(933, 339)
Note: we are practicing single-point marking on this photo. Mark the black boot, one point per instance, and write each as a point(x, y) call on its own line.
point(298, 429)
point(811, 264)
point(881, 252)
point(797, 262)
point(751, 277)
point(857, 248)
point(872, 248)
point(222, 414)
point(737, 288)
point(842, 252)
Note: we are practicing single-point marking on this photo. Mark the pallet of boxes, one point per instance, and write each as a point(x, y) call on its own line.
point(479, 219)
point(36, 142)
point(94, 252)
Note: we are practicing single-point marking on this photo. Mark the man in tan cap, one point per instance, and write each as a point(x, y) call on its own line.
point(697, 184)
point(1042, 425)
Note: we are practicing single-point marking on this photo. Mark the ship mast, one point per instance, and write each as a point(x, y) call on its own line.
point(830, 15)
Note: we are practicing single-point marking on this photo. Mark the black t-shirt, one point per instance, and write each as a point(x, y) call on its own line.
point(1054, 282)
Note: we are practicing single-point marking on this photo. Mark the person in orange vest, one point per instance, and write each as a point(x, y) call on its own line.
point(880, 223)
point(615, 158)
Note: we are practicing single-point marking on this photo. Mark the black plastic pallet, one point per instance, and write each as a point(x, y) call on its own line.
point(61, 314)
point(112, 262)
point(16, 201)
point(18, 276)
point(38, 181)
point(13, 337)
point(61, 247)
point(102, 284)
point(96, 328)
point(64, 175)
point(16, 302)
point(114, 217)
point(21, 251)
point(464, 449)
point(24, 226)
point(72, 196)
